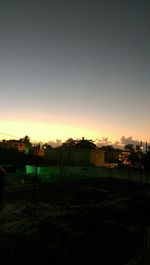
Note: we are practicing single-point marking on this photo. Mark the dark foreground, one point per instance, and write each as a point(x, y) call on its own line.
point(95, 222)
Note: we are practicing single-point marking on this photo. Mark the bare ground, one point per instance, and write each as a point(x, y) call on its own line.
point(93, 222)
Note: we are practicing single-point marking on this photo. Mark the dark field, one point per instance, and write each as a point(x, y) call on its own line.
point(100, 221)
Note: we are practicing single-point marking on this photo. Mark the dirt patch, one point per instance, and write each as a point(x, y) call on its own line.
point(100, 222)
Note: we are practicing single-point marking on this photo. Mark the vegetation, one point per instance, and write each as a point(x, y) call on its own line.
point(83, 143)
point(21, 152)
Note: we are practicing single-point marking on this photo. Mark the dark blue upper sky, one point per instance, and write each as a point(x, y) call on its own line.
point(76, 63)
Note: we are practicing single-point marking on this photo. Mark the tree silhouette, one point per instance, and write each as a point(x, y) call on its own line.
point(26, 140)
point(87, 144)
point(146, 161)
point(129, 147)
point(69, 143)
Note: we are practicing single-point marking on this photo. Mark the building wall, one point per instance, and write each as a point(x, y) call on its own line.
point(75, 156)
point(98, 157)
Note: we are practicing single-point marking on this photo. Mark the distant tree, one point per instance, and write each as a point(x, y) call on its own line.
point(111, 153)
point(135, 154)
point(129, 148)
point(70, 142)
point(146, 161)
point(107, 147)
point(26, 140)
point(134, 158)
point(46, 146)
point(87, 144)
point(138, 148)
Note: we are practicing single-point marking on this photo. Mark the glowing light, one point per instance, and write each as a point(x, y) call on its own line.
point(42, 131)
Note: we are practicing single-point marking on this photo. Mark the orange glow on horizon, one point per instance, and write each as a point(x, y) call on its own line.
point(48, 130)
point(43, 131)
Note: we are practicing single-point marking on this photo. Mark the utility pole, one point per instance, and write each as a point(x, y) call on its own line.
point(146, 147)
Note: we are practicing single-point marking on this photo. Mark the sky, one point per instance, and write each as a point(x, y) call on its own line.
point(74, 68)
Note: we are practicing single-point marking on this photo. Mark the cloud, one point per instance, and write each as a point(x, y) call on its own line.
point(56, 143)
point(102, 141)
point(118, 144)
point(129, 140)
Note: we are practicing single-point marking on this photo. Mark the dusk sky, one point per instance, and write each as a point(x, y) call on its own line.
point(73, 68)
